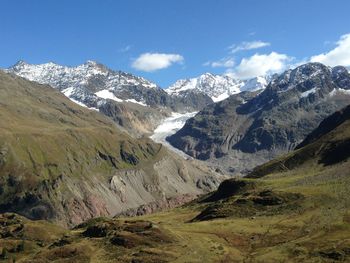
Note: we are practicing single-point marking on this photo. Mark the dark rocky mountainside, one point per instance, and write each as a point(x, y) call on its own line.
point(246, 130)
point(328, 144)
point(327, 125)
point(66, 163)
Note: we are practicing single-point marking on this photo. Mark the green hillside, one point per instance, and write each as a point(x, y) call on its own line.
point(66, 163)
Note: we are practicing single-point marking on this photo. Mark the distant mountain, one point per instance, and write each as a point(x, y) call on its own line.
point(65, 77)
point(65, 163)
point(136, 104)
point(246, 130)
point(133, 102)
point(217, 87)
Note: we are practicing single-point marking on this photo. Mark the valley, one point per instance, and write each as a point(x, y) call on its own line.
point(295, 208)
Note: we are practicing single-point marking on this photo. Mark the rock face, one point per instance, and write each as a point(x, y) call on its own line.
point(246, 130)
point(62, 162)
point(133, 102)
point(327, 125)
point(327, 145)
point(165, 183)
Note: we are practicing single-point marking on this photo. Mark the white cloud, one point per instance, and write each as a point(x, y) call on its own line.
point(260, 64)
point(222, 63)
point(248, 46)
point(340, 55)
point(125, 49)
point(206, 63)
point(151, 62)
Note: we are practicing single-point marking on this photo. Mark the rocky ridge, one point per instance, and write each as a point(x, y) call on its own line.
point(218, 87)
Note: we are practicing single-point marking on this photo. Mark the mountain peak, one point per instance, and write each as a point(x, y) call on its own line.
point(92, 63)
point(218, 87)
point(19, 63)
point(207, 74)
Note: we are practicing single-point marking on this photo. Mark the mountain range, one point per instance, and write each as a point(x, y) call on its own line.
point(218, 87)
point(240, 124)
point(134, 103)
point(250, 128)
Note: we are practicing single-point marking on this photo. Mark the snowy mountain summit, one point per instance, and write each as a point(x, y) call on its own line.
point(86, 83)
point(131, 101)
point(218, 87)
point(63, 77)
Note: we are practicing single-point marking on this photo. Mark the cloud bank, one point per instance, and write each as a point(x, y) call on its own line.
point(223, 63)
point(340, 55)
point(260, 64)
point(150, 62)
point(248, 46)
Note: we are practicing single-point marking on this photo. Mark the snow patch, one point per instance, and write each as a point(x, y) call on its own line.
point(106, 94)
point(308, 92)
point(343, 91)
point(78, 102)
point(220, 97)
point(68, 92)
point(137, 102)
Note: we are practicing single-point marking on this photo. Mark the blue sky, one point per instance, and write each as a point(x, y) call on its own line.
point(167, 40)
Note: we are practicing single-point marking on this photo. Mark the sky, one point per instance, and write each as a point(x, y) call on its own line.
point(168, 40)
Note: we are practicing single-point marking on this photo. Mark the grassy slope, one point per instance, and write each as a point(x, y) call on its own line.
point(40, 116)
point(317, 231)
point(44, 137)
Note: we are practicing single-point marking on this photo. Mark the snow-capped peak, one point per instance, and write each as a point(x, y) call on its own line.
point(256, 83)
point(62, 77)
point(19, 63)
point(218, 87)
point(91, 62)
point(88, 83)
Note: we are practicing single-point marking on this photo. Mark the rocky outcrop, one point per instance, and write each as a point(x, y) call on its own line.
point(164, 184)
point(156, 206)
